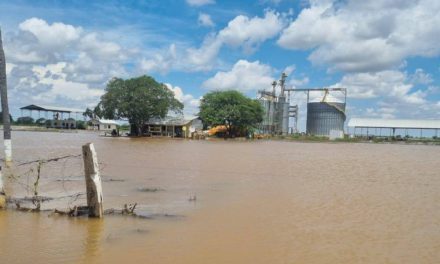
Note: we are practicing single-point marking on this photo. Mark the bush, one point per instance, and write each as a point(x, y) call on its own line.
point(40, 121)
point(25, 120)
point(80, 124)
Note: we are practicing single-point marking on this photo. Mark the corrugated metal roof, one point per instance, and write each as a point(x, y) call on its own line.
point(171, 121)
point(51, 108)
point(394, 123)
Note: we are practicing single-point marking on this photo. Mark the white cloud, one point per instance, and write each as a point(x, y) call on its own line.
point(203, 58)
point(289, 69)
point(392, 94)
point(88, 58)
point(299, 82)
point(421, 77)
point(60, 64)
point(191, 104)
point(242, 31)
point(381, 112)
point(200, 2)
point(98, 49)
point(62, 87)
point(361, 36)
point(205, 20)
point(243, 76)
point(433, 89)
point(86, 69)
point(56, 35)
point(292, 81)
point(250, 32)
point(390, 83)
point(160, 62)
point(48, 84)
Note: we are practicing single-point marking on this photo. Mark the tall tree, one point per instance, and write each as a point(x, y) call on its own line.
point(88, 113)
point(231, 109)
point(137, 100)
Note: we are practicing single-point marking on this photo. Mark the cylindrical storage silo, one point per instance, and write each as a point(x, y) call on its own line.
point(285, 127)
point(325, 116)
point(283, 116)
point(267, 125)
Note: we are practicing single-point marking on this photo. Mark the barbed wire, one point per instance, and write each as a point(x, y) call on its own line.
point(35, 176)
point(49, 160)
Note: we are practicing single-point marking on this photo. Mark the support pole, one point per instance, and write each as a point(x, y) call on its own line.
point(93, 181)
point(5, 107)
point(2, 192)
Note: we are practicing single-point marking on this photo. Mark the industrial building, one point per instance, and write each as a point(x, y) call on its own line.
point(325, 113)
point(277, 109)
point(388, 127)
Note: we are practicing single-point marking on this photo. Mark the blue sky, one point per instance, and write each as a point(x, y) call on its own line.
point(385, 53)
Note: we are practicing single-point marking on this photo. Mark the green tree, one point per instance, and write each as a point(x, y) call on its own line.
point(97, 111)
point(40, 121)
point(88, 113)
point(231, 109)
point(25, 120)
point(137, 100)
point(80, 124)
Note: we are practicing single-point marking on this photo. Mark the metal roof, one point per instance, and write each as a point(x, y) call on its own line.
point(51, 109)
point(170, 121)
point(394, 123)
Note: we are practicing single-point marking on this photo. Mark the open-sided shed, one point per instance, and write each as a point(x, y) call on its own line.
point(392, 125)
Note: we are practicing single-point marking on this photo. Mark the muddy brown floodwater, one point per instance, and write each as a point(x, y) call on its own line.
point(257, 202)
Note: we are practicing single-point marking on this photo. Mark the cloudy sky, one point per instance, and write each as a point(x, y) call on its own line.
point(386, 53)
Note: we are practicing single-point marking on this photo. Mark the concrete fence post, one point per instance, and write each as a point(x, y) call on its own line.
point(2, 192)
point(93, 181)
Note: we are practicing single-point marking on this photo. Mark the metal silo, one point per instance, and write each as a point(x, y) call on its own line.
point(325, 116)
point(268, 124)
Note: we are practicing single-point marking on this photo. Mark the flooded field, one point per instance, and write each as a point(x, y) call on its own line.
point(257, 202)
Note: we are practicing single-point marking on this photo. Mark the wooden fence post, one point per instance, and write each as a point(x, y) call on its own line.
point(93, 181)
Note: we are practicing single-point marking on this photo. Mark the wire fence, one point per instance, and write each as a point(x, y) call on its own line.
point(46, 183)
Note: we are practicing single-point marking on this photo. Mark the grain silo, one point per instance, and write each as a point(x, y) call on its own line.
point(277, 109)
point(325, 115)
point(322, 117)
